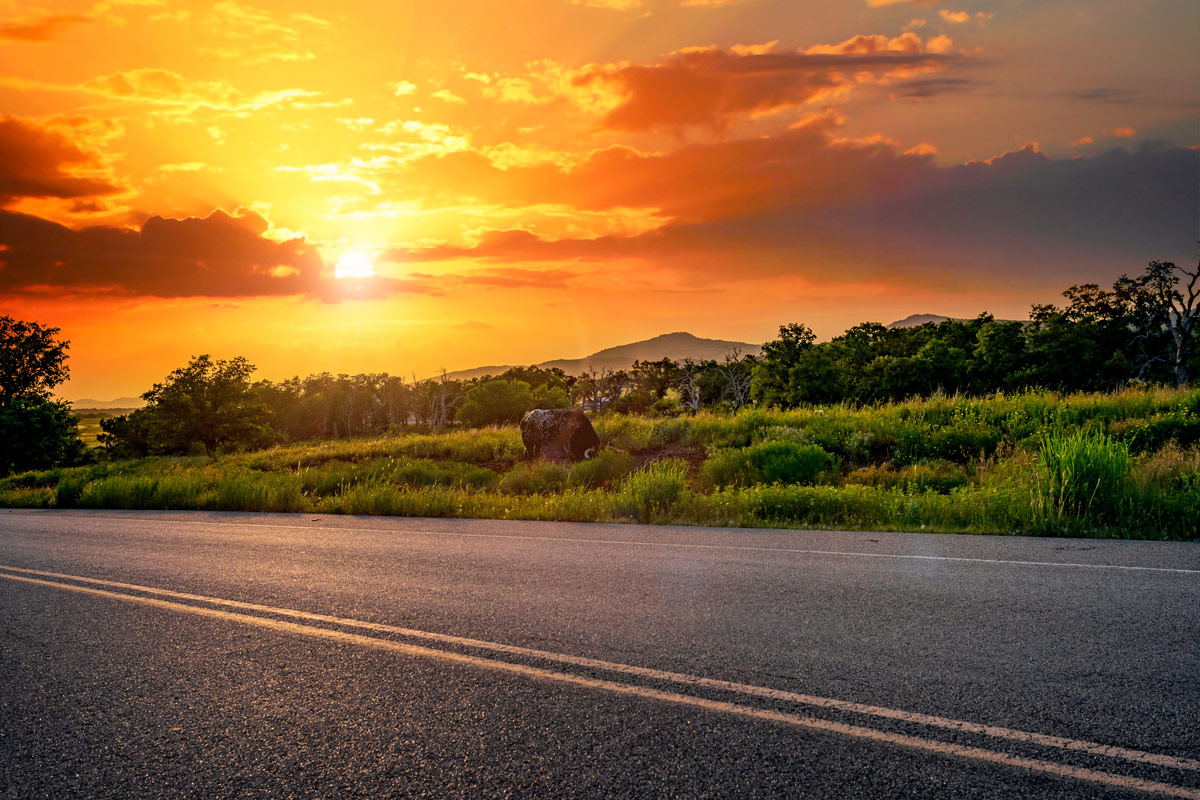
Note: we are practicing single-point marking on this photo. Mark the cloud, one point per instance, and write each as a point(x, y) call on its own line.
point(1104, 94)
point(710, 87)
point(617, 5)
point(1124, 133)
point(215, 256)
point(42, 162)
point(805, 201)
point(934, 87)
point(170, 89)
point(255, 35)
point(39, 29)
point(880, 3)
point(955, 16)
point(505, 278)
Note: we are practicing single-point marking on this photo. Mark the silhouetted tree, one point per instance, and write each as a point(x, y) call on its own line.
point(35, 431)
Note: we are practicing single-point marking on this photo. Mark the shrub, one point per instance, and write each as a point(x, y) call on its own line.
point(767, 462)
point(654, 488)
point(540, 476)
point(69, 490)
point(1179, 425)
point(1082, 482)
point(934, 476)
point(601, 469)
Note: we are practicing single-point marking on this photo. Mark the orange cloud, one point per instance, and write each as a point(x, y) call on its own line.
point(710, 87)
point(879, 3)
point(1082, 141)
point(955, 16)
point(41, 29)
point(803, 201)
point(216, 256)
point(166, 88)
point(38, 162)
point(255, 35)
point(1125, 133)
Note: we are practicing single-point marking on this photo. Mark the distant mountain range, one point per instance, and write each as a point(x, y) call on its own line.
point(915, 320)
point(120, 402)
point(676, 346)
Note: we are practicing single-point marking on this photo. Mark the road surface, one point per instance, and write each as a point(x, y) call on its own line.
point(164, 654)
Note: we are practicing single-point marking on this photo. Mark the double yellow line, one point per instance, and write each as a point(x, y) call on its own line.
point(152, 597)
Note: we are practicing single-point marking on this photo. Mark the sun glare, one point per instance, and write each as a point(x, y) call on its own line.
point(354, 265)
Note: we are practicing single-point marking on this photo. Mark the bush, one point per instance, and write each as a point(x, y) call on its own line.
point(767, 462)
point(934, 476)
point(654, 488)
point(1082, 482)
point(541, 476)
point(1179, 425)
point(601, 469)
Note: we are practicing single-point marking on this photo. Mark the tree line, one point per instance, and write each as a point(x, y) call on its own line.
point(1139, 331)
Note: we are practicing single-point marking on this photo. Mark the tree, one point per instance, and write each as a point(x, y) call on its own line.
point(32, 360)
point(206, 402)
point(737, 374)
point(779, 358)
point(36, 432)
point(496, 402)
point(690, 374)
point(656, 376)
point(551, 396)
point(1156, 293)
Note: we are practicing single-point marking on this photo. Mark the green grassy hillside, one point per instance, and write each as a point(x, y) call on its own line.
point(1112, 465)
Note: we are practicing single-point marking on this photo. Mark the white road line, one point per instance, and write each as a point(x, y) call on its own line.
point(870, 734)
point(1063, 743)
point(686, 545)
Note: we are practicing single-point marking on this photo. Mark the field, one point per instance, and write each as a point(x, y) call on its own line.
point(1121, 465)
point(89, 422)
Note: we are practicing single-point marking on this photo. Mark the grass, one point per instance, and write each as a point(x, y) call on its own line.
point(1104, 465)
point(89, 422)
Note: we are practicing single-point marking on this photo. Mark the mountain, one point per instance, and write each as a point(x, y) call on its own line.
point(676, 346)
point(120, 402)
point(914, 320)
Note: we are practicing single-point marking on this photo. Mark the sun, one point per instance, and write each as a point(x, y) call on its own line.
point(353, 265)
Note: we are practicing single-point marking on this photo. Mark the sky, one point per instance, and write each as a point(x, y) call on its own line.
point(521, 180)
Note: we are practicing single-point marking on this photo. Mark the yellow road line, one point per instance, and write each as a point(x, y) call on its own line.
point(914, 742)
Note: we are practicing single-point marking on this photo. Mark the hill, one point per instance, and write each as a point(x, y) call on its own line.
point(915, 320)
point(121, 402)
point(676, 346)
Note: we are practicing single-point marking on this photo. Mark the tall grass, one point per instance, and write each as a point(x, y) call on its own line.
point(654, 489)
point(1082, 483)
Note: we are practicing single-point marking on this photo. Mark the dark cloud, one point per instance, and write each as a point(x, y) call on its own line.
point(40, 162)
point(221, 255)
point(1104, 95)
point(43, 29)
point(216, 256)
point(860, 208)
point(934, 87)
point(711, 87)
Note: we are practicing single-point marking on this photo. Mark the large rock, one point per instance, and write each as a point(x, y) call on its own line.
point(561, 433)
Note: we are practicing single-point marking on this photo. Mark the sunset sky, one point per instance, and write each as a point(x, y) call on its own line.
point(536, 179)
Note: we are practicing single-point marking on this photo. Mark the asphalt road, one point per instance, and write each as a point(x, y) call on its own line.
point(148, 654)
